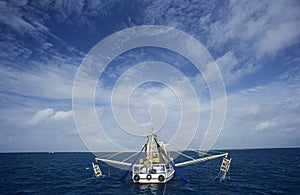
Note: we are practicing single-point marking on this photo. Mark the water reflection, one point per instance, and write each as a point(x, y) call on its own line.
point(152, 188)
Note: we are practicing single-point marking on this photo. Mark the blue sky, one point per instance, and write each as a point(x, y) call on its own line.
point(256, 45)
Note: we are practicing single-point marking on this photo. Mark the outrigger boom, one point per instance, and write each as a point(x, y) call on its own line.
point(157, 166)
point(201, 159)
point(177, 164)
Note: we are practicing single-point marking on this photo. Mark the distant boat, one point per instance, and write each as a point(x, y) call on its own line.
point(51, 152)
point(157, 166)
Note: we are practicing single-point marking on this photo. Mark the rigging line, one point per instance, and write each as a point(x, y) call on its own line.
point(130, 157)
point(130, 168)
point(214, 151)
point(106, 155)
point(177, 171)
point(159, 149)
point(109, 156)
point(108, 170)
point(116, 153)
point(113, 155)
point(188, 149)
point(197, 151)
point(184, 155)
point(211, 173)
point(217, 176)
point(211, 176)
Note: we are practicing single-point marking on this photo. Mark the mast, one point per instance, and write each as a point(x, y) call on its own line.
point(151, 148)
point(155, 150)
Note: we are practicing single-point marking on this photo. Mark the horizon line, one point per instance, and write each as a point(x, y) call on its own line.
point(60, 151)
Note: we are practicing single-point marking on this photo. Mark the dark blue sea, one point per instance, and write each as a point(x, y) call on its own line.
point(259, 171)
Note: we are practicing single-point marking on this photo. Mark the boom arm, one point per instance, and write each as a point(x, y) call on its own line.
point(200, 160)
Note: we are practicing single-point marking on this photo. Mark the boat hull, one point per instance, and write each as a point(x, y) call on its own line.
point(155, 178)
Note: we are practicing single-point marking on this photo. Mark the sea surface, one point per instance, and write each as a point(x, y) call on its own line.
point(259, 171)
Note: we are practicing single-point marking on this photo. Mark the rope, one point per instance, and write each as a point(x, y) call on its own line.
point(211, 173)
point(218, 176)
point(109, 156)
point(127, 172)
point(130, 157)
point(183, 154)
point(112, 155)
point(197, 151)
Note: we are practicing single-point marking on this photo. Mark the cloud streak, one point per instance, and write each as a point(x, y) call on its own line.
point(45, 81)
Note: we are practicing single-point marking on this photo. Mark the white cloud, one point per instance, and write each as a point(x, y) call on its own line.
point(263, 26)
point(62, 115)
point(265, 125)
point(49, 114)
point(41, 115)
point(26, 126)
point(140, 105)
point(230, 71)
point(242, 37)
point(280, 37)
point(262, 116)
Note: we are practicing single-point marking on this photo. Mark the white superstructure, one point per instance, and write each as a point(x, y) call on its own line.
point(156, 167)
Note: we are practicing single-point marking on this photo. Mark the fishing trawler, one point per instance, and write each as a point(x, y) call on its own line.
point(157, 165)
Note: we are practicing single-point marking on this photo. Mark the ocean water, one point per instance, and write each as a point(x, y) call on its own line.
point(259, 171)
